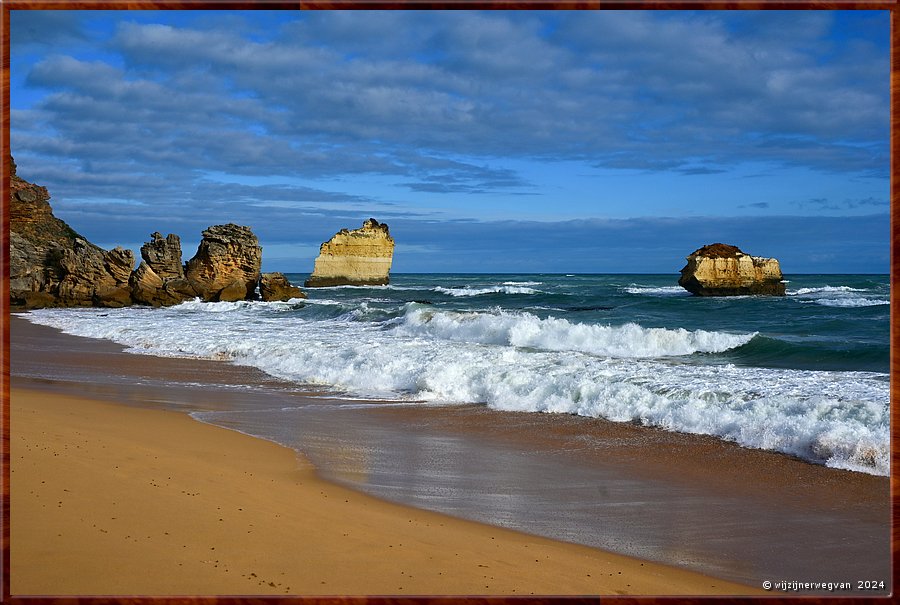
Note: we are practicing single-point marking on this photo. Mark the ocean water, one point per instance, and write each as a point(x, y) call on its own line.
point(805, 374)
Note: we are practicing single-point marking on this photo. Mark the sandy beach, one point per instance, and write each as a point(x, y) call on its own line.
point(115, 493)
point(108, 499)
point(113, 499)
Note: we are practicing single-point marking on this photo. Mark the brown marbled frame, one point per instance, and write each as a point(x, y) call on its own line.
point(891, 5)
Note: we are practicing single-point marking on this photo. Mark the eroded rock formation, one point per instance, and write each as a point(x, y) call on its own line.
point(724, 270)
point(160, 280)
point(361, 257)
point(51, 264)
point(227, 264)
point(164, 255)
point(275, 286)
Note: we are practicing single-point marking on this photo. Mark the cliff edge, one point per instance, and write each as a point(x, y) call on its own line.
point(50, 265)
point(53, 266)
point(724, 270)
point(361, 257)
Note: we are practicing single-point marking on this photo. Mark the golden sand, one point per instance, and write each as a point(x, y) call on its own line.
point(110, 499)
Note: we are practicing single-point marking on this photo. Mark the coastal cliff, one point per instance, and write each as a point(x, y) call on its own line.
point(226, 267)
point(724, 270)
point(51, 265)
point(361, 257)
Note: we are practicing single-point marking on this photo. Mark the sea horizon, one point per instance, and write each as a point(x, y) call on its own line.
point(398, 273)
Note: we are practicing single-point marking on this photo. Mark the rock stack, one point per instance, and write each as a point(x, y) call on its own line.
point(724, 270)
point(361, 257)
point(159, 279)
point(226, 266)
point(53, 266)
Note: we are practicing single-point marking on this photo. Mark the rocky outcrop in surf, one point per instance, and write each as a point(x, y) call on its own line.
point(227, 264)
point(361, 257)
point(724, 270)
point(226, 267)
point(275, 286)
point(51, 265)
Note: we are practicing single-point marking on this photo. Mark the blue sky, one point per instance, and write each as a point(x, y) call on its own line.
point(602, 141)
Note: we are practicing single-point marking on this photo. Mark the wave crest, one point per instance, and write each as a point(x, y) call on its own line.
point(848, 302)
point(824, 289)
point(837, 296)
point(525, 330)
point(837, 418)
point(467, 291)
point(657, 290)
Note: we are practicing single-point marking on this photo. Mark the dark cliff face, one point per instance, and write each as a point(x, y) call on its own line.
point(51, 264)
point(275, 286)
point(31, 217)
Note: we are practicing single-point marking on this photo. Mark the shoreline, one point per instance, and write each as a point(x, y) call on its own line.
point(821, 492)
point(121, 497)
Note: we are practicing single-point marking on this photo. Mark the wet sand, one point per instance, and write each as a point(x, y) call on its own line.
point(108, 499)
point(690, 501)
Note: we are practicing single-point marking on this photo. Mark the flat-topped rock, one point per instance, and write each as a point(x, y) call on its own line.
point(361, 257)
point(724, 270)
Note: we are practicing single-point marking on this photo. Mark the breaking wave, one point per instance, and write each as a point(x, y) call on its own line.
point(551, 334)
point(839, 296)
point(657, 290)
point(467, 291)
point(519, 361)
point(824, 289)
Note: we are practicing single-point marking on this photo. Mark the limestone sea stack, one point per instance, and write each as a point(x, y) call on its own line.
point(50, 264)
point(724, 270)
point(361, 257)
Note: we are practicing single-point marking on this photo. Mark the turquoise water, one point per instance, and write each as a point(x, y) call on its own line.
point(805, 374)
point(826, 322)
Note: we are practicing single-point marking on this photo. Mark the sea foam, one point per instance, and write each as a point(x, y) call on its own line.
point(468, 291)
point(517, 361)
point(839, 296)
point(522, 329)
point(657, 290)
point(824, 289)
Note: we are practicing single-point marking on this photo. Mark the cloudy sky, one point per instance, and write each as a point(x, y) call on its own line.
point(489, 141)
